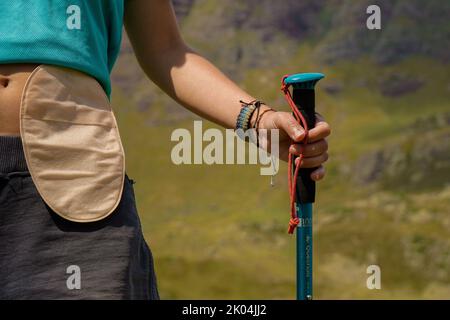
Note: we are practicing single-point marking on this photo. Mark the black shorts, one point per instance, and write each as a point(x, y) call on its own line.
point(43, 256)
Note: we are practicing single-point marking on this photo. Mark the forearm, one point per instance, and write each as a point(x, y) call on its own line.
point(183, 74)
point(198, 85)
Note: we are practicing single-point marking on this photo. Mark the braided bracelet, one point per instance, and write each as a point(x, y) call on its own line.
point(244, 117)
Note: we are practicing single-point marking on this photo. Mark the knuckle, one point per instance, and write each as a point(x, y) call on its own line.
point(326, 129)
point(286, 121)
point(278, 117)
point(322, 146)
point(325, 144)
point(291, 121)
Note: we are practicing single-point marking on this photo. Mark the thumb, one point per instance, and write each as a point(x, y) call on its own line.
point(286, 122)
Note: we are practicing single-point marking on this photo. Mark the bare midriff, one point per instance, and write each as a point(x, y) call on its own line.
point(12, 80)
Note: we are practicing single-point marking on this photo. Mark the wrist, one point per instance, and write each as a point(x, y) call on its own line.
point(251, 114)
point(257, 121)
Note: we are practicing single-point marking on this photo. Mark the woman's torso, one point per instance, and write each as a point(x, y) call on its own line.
point(12, 80)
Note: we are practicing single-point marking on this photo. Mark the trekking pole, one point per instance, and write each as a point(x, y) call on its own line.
point(302, 187)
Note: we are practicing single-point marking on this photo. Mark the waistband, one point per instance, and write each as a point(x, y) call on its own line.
point(12, 158)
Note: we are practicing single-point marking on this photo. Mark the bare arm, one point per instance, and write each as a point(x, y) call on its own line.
point(199, 86)
point(186, 76)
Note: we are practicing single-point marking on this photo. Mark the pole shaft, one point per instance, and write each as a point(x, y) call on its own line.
point(304, 99)
point(304, 254)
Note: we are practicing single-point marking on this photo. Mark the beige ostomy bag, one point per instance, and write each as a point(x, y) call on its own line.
point(71, 143)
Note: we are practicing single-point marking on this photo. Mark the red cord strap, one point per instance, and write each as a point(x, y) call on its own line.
point(292, 176)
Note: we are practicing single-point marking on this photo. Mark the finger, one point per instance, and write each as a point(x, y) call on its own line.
point(310, 149)
point(313, 162)
point(318, 174)
point(286, 122)
point(320, 131)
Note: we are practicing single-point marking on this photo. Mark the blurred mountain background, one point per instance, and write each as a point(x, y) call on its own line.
point(220, 231)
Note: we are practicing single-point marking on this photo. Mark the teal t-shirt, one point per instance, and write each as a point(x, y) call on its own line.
point(79, 34)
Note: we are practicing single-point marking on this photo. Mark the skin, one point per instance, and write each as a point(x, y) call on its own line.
point(12, 81)
point(187, 77)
